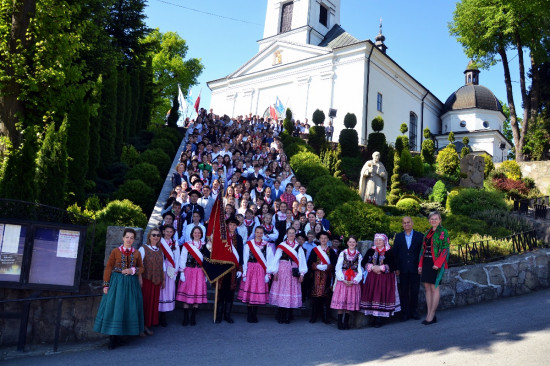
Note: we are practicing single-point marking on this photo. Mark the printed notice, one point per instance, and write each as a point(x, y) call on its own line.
point(10, 243)
point(67, 243)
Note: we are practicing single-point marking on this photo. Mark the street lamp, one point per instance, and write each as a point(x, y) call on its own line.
point(502, 147)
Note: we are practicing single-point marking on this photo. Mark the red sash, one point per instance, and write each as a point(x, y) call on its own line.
point(258, 255)
point(323, 257)
point(289, 251)
point(194, 252)
point(167, 254)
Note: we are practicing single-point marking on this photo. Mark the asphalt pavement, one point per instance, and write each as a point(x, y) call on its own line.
point(511, 331)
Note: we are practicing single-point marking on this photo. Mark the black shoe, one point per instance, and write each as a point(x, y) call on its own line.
point(185, 317)
point(377, 322)
point(162, 319)
point(254, 314)
point(325, 314)
point(249, 316)
point(281, 315)
point(313, 317)
point(340, 322)
point(346, 320)
point(289, 316)
point(193, 320)
point(112, 342)
point(227, 313)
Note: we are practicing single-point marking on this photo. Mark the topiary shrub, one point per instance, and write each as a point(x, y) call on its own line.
point(511, 169)
point(405, 162)
point(163, 144)
point(307, 166)
point(146, 172)
point(296, 147)
point(471, 200)
point(350, 120)
point(377, 124)
point(395, 188)
point(376, 140)
point(447, 161)
point(317, 139)
point(287, 123)
point(453, 193)
point(417, 168)
point(158, 158)
point(428, 148)
point(122, 213)
point(318, 117)
point(409, 206)
point(169, 133)
point(465, 149)
point(138, 192)
point(367, 220)
point(323, 181)
point(330, 197)
point(489, 165)
point(439, 193)
point(351, 167)
point(331, 160)
point(349, 142)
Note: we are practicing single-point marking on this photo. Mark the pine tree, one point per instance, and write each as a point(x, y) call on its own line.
point(108, 114)
point(78, 146)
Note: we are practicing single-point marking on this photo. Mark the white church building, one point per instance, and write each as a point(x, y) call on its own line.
point(308, 61)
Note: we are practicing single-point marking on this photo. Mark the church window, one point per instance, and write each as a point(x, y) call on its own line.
point(485, 124)
point(463, 123)
point(323, 15)
point(413, 123)
point(286, 17)
point(379, 103)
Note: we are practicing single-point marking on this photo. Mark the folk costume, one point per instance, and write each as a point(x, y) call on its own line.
point(171, 254)
point(254, 288)
point(379, 294)
point(321, 264)
point(435, 251)
point(289, 262)
point(228, 283)
point(121, 309)
point(347, 297)
point(192, 285)
point(152, 277)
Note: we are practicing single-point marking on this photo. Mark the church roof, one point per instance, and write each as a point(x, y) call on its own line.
point(337, 37)
point(472, 96)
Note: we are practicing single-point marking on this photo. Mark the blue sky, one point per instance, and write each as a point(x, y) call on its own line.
point(224, 34)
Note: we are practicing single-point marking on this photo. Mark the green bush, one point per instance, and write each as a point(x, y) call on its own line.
point(287, 123)
point(122, 213)
point(169, 133)
point(351, 167)
point(360, 219)
point(471, 200)
point(405, 162)
point(331, 160)
point(317, 139)
point(511, 169)
point(318, 117)
point(295, 148)
point(409, 206)
point(349, 142)
point(130, 156)
point(428, 151)
point(447, 161)
point(330, 197)
point(439, 193)
point(453, 193)
point(158, 158)
point(138, 192)
point(420, 224)
point(417, 168)
point(163, 144)
point(307, 166)
point(489, 165)
point(377, 124)
point(146, 172)
point(350, 120)
point(323, 181)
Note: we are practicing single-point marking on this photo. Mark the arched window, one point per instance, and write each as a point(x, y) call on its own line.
point(413, 129)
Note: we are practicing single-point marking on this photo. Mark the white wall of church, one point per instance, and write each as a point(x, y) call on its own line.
point(474, 119)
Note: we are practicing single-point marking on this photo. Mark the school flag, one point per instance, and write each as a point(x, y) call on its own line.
point(279, 106)
point(272, 113)
point(198, 102)
point(181, 100)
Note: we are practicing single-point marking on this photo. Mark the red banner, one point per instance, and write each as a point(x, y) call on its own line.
point(221, 248)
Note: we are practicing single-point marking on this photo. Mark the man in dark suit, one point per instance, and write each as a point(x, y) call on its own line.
point(406, 248)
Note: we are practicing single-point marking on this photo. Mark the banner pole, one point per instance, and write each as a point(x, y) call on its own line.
point(216, 301)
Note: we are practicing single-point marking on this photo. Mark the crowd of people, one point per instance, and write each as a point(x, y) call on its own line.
point(286, 252)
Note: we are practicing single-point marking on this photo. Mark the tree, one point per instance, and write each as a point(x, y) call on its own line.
point(428, 148)
point(348, 139)
point(168, 53)
point(376, 141)
point(488, 30)
point(287, 123)
point(465, 149)
point(317, 138)
point(78, 146)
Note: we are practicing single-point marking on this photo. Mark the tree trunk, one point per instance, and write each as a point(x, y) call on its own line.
point(524, 97)
point(510, 97)
point(12, 110)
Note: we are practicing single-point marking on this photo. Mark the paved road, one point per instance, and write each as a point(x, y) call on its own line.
point(514, 331)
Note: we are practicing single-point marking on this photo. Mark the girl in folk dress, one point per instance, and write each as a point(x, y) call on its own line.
point(171, 254)
point(152, 279)
point(192, 286)
point(288, 268)
point(254, 285)
point(347, 292)
point(379, 296)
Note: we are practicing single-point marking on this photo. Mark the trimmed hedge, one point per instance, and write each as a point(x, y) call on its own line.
point(146, 172)
point(323, 181)
point(409, 206)
point(330, 197)
point(360, 219)
point(470, 200)
point(307, 166)
point(158, 158)
point(138, 192)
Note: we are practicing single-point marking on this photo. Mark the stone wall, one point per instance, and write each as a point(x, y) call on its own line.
point(539, 171)
point(466, 285)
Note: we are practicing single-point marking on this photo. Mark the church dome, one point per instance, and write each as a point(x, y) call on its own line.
point(472, 96)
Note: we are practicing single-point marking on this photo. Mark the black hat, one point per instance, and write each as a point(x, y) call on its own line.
point(194, 177)
point(194, 191)
point(232, 219)
point(323, 233)
point(301, 235)
point(168, 214)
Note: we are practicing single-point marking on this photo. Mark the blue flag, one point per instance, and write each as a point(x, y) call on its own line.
point(279, 106)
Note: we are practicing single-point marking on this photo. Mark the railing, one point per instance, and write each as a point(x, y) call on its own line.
point(490, 250)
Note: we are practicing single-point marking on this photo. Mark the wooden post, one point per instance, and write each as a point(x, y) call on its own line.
point(216, 300)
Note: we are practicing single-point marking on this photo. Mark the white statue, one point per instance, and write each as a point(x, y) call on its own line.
point(372, 182)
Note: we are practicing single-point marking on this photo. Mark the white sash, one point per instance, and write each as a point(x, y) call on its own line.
point(195, 252)
point(257, 254)
point(321, 252)
point(168, 250)
point(290, 251)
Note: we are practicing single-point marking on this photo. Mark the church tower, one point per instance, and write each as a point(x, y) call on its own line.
point(299, 21)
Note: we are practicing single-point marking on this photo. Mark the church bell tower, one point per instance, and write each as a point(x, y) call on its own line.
point(299, 21)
